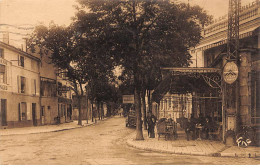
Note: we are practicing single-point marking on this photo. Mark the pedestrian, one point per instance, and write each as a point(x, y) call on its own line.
point(192, 126)
point(151, 125)
point(207, 126)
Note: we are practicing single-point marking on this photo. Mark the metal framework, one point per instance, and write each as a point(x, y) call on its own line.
point(230, 98)
point(233, 30)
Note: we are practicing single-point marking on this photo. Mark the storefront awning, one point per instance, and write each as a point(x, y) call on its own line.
point(186, 80)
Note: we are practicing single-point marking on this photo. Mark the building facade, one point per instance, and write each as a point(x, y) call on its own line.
point(19, 88)
point(204, 79)
point(175, 106)
point(211, 53)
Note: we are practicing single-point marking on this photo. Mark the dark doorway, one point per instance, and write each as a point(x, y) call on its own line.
point(3, 113)
point(34, 114)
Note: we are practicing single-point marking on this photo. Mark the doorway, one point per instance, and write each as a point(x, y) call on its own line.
point(3, 121)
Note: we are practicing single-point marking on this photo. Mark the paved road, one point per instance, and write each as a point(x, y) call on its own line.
point(101, 144)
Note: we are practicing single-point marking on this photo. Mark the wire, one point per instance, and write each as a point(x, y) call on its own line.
point(18, 27)
point(14, 33)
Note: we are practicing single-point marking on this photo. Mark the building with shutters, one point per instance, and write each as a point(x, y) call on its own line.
point(19, 88)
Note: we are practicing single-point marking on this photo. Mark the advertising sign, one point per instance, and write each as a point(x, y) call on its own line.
point(128, 99)
point(230, 72)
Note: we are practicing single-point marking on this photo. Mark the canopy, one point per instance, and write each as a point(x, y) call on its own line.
point(187, 80)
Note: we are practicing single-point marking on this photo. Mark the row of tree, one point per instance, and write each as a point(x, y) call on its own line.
point(140, 36)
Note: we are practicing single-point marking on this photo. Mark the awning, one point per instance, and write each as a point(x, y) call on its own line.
point(186, 80)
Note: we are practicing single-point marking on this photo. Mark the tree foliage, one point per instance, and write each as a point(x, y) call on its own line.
point(141, 35)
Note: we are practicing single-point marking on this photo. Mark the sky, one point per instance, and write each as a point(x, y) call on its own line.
point(28, 13)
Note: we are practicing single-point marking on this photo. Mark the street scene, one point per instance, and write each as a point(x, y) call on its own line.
point(129, 82)
point(104, 143)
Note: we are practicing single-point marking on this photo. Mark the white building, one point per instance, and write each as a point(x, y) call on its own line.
point(19, 87)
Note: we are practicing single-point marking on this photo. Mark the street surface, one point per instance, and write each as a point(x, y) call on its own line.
point(100, 144)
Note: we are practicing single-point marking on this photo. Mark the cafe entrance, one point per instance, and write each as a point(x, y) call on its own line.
point(202, 87)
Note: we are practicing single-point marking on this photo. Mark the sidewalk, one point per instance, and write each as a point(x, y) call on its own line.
point(197, 147)
point(46, 128)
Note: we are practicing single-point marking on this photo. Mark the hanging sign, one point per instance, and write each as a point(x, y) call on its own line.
point(128, 99)
point(230, 72)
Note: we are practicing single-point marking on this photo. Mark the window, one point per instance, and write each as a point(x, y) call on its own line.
point(42, 111)
point(21, 61)
point(33, 87)
point(23, 81)
point(1, 53)
point(2, 74)
point(170, 103)
point(22, 110)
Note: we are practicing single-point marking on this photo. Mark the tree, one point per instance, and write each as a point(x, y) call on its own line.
point(137, 34)
point(69, 52)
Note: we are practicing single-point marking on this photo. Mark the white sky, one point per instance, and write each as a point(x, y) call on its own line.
point(33, 12)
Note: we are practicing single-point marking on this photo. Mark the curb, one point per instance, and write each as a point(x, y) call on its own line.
point(129, 142)
point(58, 130)
point(168, 152)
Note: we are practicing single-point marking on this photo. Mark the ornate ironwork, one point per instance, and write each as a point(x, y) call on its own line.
point(212, 79)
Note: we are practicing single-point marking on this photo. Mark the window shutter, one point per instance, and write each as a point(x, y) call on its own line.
point(18, 58)
point(29, 114)
point(26, 88)
point(32, 86)
point(19, 111)
point(36, 88)
point(18, 84)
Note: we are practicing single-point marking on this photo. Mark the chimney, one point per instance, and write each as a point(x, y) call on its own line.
point(6, 37)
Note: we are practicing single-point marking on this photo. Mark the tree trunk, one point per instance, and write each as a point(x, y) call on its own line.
point(144, 108)
point(149, 102)
point(137, 100)
point(102, 110)
point(79, 107)
point(92, 111)
point(98, 110)
point(108, 109)
point(87, 107)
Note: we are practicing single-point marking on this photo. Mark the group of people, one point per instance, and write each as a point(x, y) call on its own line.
point(197, 126)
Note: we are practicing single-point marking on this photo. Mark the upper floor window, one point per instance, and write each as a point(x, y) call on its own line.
point(2, 74)
point(1, 53)
point(21, 82)
point(21, 60)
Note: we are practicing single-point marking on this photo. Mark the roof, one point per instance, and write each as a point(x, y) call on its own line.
point(10, 47)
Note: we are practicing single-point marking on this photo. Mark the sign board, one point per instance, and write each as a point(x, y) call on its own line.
point(63, 89)
point(128, 99)
point(230, 72)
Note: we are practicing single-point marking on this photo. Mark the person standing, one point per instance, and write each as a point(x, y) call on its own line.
point(151, 121)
